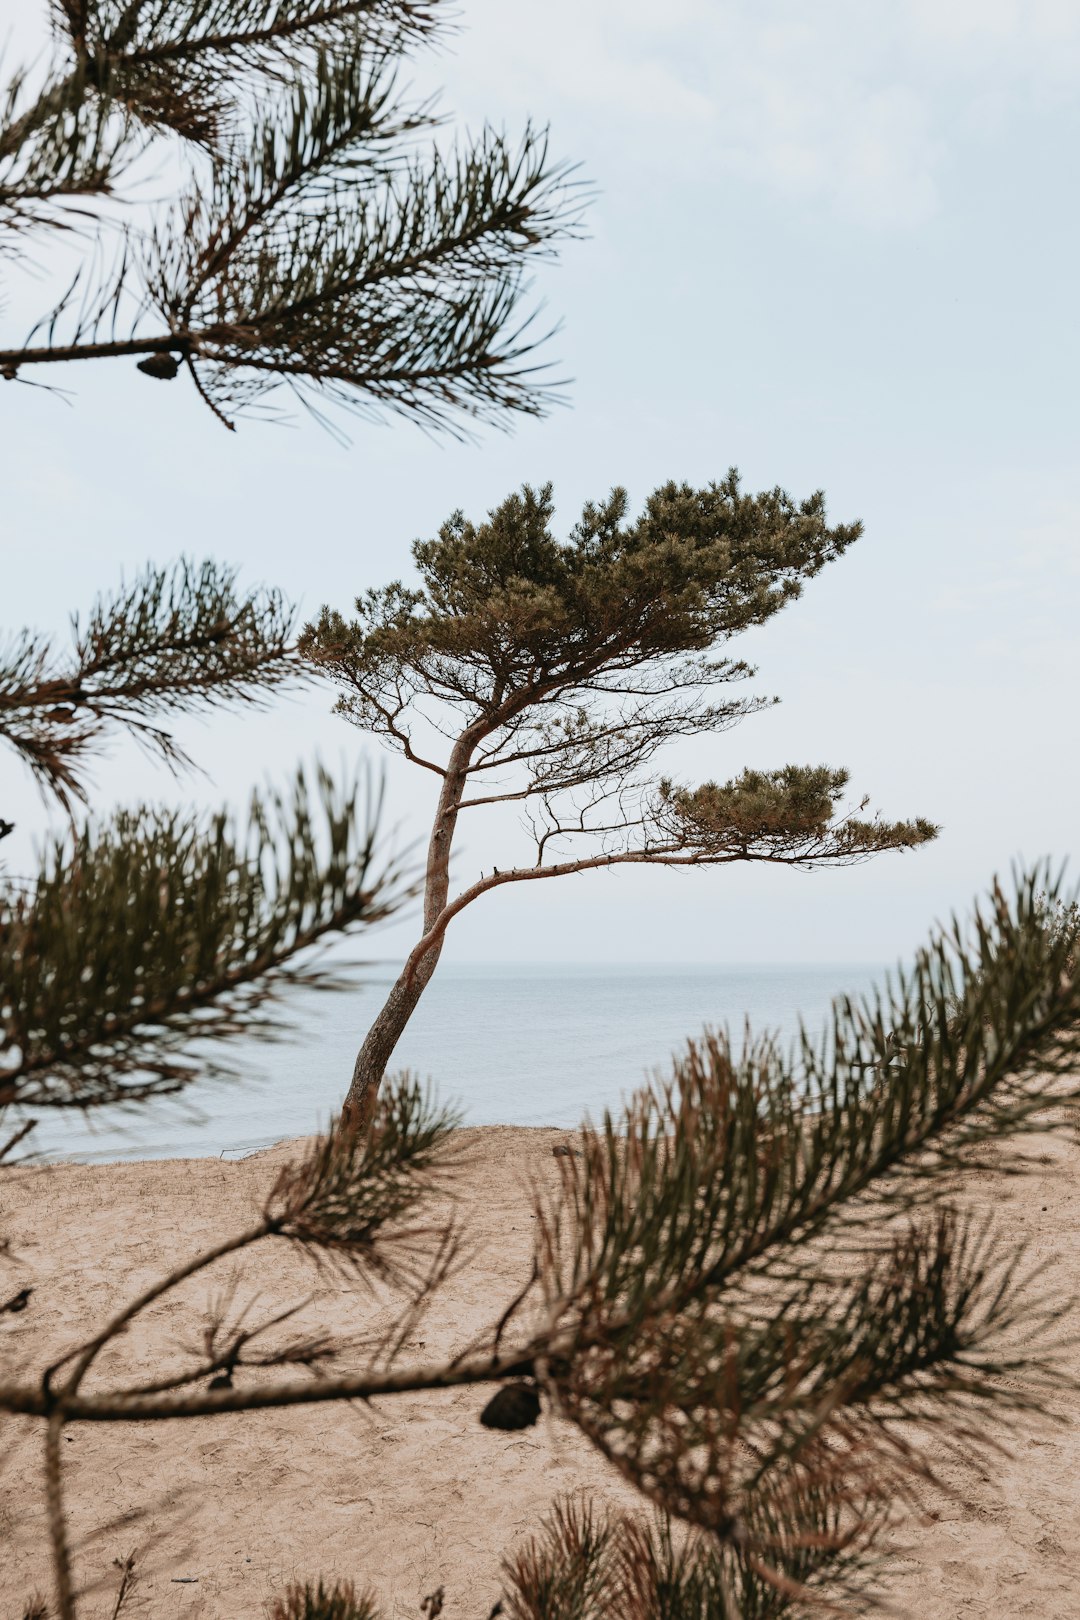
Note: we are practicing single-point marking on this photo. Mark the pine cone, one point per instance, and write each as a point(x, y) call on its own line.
point(514, 1406)
point(164, 366)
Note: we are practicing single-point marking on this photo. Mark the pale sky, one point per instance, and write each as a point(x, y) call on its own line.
point(834, 245)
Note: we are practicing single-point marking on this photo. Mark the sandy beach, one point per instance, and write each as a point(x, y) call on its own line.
point(411, 1493)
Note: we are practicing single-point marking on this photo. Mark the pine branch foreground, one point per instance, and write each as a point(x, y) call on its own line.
point(157, 930)
point(174, 641)
point(753, 1292)
point(312, 242)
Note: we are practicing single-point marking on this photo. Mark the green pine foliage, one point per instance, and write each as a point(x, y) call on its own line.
point(346, 1200)
point(505, 609)
point(153, 930)
point(319, 1602)
point(571, 663)
point(319, 237)
point(762, 1282)
point(779, 813)
point(586, 1564)
point(174, 641)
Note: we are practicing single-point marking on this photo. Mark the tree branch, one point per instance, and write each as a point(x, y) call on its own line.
point(85, 1355)
point(119, 1407)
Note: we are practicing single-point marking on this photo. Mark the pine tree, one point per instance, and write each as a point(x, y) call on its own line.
point(558, 671)
point(313, 242)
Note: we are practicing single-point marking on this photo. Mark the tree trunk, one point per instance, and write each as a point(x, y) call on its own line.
point(381, 1039)
point(400, 1004)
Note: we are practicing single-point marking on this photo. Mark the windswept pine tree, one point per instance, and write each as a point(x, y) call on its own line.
point(558, 670)
point(319, 237)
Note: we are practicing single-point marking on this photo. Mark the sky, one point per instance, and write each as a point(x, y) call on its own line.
point(834, 245)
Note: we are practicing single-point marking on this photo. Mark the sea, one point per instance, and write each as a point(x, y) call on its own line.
point(513, 1044)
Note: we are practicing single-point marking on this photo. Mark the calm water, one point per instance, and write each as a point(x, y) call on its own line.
point(514, 1045)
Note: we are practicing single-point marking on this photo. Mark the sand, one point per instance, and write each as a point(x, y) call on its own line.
point(411, 1493)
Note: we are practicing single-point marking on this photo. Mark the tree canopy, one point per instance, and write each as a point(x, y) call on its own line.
point(573, 662)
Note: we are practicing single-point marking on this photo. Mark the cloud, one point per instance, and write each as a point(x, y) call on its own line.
point(819, 128)
point(856, 106)
point(1033, 25)
point(852, 106)
point(1016, 610)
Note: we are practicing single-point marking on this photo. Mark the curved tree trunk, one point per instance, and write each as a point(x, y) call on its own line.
point(381, 1039)
point(400, 1004)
